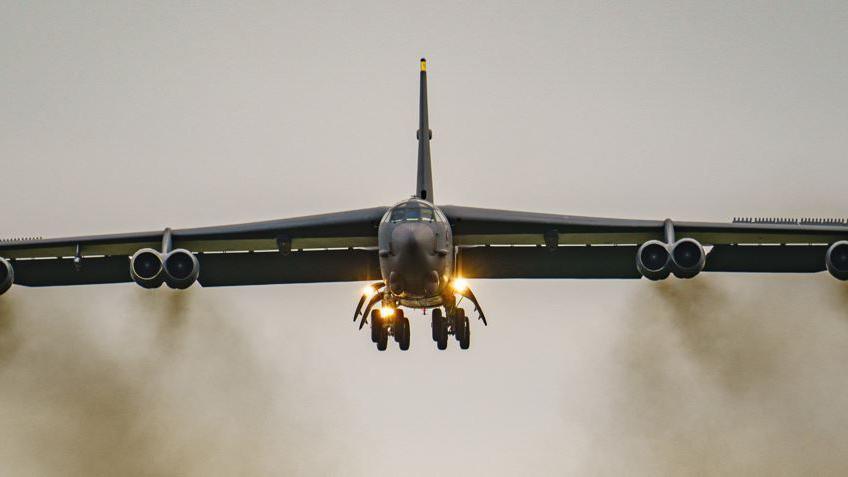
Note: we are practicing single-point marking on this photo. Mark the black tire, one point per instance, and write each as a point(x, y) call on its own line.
point(442, 333)
point(458, 323)
point(465, 339)
point(397, 325)
point(383, 339)
point(404, 334)
point(437, 316)
point(376, 323)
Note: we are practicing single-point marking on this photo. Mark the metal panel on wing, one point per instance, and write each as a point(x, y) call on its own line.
point(766, 258)
point(264, 268)
point(541, 262)
point(63, 271)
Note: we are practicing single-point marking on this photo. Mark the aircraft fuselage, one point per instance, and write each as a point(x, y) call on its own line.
point(416, 253)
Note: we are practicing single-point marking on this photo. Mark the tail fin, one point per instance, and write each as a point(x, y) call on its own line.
point(424, 189)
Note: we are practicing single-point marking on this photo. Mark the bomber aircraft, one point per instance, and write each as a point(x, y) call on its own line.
point(420, 255)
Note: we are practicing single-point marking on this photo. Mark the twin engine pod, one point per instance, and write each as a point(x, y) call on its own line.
point(178, 269)
point(685, 258)
point(7, 275)
point(836, 260)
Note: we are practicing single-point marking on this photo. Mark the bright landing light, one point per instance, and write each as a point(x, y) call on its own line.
point(386, 311)
point(369, 291)
point(459, 284)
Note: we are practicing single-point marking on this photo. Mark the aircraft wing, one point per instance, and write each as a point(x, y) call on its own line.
point(511, 244)
point(318, 248)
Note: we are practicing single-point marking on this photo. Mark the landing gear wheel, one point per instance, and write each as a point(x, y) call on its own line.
point(457, 322)
point(404, 334)
point(437, 316)
point(440, 329)
point(464, 331)
point(376, 324)
point(382, 338)
point(397, 325)
point(461, 328)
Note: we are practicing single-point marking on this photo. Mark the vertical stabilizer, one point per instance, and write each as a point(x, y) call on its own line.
point(424, 187)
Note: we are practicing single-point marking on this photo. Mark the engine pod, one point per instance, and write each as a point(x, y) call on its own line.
point(836, 260)
point(687, 258)
point(181, 268)
point(7, 275)
point(653, 260)
point(146, 268)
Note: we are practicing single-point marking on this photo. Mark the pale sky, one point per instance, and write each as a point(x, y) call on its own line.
point(120, 117)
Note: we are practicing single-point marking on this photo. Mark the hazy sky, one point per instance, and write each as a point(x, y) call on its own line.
point(136, 116)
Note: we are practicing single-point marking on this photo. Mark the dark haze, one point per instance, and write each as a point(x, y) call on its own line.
point(730, 376)
point(164, 385)
point(741, 375)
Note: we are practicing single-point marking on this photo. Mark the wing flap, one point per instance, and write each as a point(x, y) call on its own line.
point(540, 262)
point(265, 268)
point(58, 272)
point(766, 259)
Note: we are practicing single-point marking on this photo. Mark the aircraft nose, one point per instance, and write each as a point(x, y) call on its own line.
point(410, 239)
point(414, 264)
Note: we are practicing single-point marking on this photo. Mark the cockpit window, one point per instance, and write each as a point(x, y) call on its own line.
point(412, 212)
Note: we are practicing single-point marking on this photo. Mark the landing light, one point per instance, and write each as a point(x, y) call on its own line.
point(459, 284)
point(386, 312)
point(369, 291)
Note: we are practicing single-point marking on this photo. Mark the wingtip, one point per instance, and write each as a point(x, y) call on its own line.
point(423, 64)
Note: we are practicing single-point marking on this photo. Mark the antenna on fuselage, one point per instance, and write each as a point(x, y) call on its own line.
point(424, 186)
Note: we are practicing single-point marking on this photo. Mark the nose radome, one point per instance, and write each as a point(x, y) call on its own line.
point(413, 237)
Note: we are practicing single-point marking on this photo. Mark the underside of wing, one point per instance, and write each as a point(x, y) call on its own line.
point(356, 228)
point(539, 262)
point(329, 247)
point(511, 244)
point(309, 266)
point(476, 226)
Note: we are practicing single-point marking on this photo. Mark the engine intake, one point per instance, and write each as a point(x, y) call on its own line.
point(836, 260)
point(181, 269)
point(687, 258)
point(7, 275)
point(146, 268)
point(653, 260)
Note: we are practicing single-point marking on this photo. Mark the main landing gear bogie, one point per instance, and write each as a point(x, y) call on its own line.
point(396, 325)
point(455, 323)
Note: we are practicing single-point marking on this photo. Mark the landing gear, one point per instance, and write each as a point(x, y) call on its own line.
point(456, 323)
point(395, 325)
point(379, 306)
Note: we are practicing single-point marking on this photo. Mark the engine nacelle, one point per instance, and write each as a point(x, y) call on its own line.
point(653, 260)
point(146, 268)
point(181, 268)
point(836, 260)
point(7, 275)
point(687, 258)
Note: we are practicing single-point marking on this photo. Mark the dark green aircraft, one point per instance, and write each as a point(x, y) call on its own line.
point(419, 255)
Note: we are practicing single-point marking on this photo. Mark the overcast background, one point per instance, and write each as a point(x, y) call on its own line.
point(136, 116)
